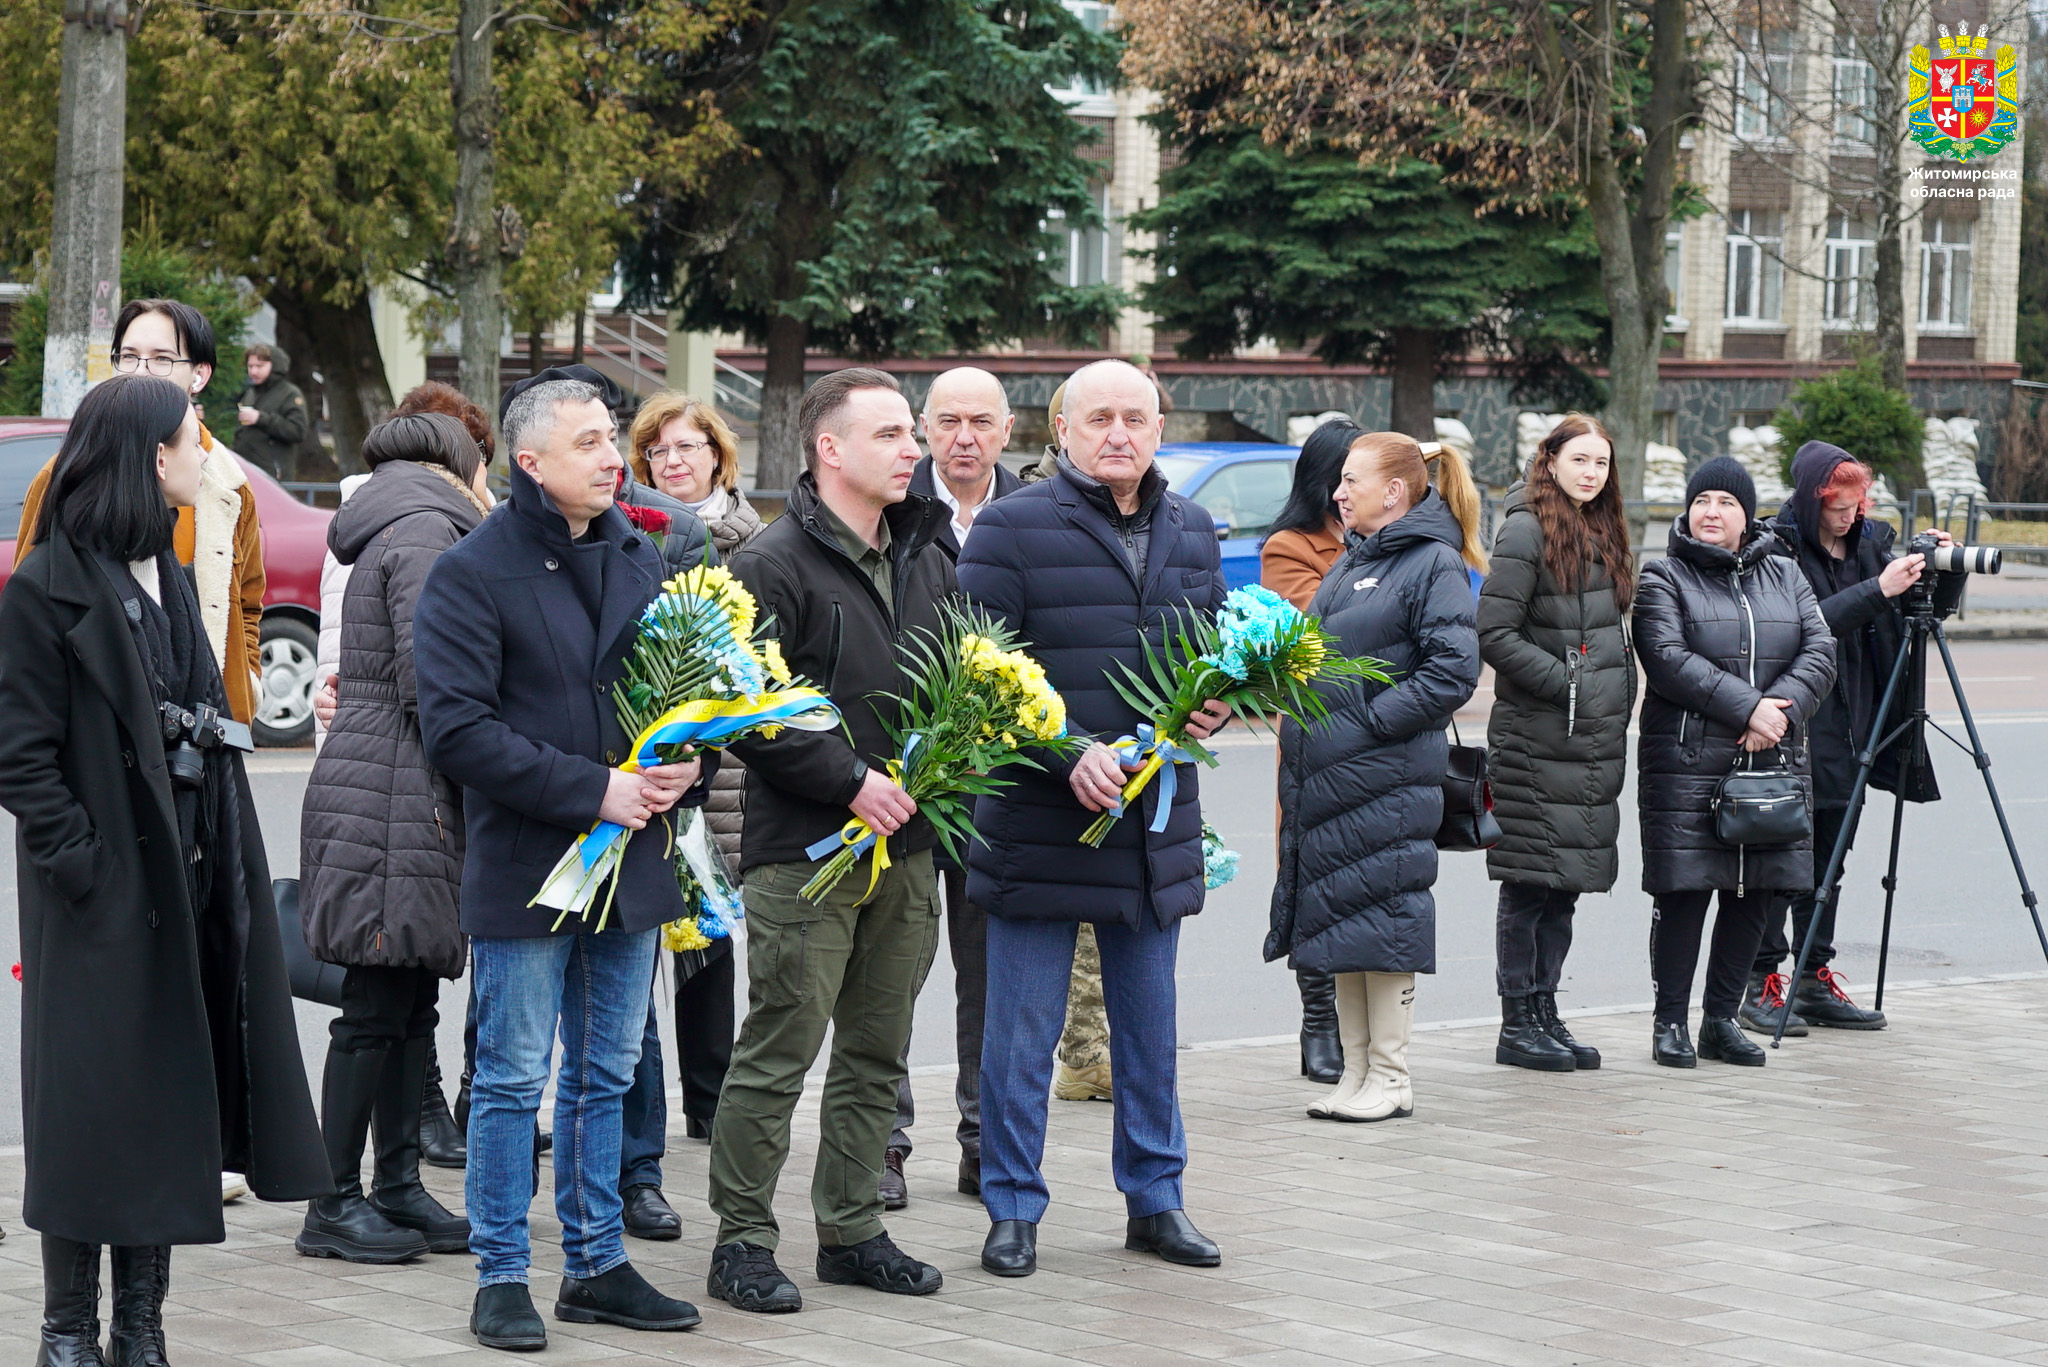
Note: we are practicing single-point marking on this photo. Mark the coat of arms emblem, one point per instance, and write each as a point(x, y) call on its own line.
point(1964, 104)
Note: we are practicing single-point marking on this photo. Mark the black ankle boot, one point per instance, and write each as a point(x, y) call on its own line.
point(1584, 1055)
point(442, 1142)
point(1671, 1046)
point(462, 1095)
point(1721, 1038)
point(1763, 1004)
point(345, 1225)
point(142, 1276)
point(1322, 1052)
point(71, 1305)
point(1525, 1043)
point(398, 1194)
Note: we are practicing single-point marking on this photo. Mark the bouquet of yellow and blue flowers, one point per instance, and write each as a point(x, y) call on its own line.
point(976, 703)
point(697, 679)
point(1262, 655)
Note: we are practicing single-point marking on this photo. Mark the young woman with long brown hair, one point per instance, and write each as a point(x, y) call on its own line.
point(1552, 624)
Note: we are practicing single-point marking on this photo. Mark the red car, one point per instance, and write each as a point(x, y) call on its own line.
point(294, 547)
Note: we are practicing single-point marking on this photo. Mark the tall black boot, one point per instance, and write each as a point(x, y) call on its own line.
point(142, 1276)
point(345, 1225)
point(442, 1142)
point(1526, 1042)
point(1322, 1051)
point(462, 1094)
point(397, 1193)
point(71, 1305)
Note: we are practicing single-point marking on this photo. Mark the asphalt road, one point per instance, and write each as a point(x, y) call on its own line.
point(1959, 911)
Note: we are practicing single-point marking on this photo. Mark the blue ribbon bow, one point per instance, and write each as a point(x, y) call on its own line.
point(1141, 749)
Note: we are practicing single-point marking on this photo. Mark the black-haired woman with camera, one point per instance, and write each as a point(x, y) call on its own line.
point(380, 863)
point(1735, 655)
point(158, 1042)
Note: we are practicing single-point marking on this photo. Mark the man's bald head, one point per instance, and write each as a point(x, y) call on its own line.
point(967, 424)
point(1110, 425)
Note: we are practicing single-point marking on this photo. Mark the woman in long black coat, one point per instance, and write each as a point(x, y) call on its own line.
point(1736, 655)
point(1361, 792)
point(1552, 624)
point(158, 1043)
point(381, 848)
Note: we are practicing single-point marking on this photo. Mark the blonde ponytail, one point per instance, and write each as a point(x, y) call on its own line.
point(1453, 481)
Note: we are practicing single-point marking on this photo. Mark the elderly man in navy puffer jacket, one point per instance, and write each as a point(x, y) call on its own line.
point(1084, 567)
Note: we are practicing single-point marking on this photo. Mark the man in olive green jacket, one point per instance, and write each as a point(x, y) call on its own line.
point(271, 416)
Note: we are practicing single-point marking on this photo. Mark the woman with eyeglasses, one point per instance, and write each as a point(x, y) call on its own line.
point(682, 447)
point(159, 1045)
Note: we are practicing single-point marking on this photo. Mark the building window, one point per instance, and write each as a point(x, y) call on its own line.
point(1852, 268)
point(1763, 83)
point(1756, 267)
point(1945, 273)
point(1674, 261)
point(1084, 255)
point(1855, 93)
point(1095, 17)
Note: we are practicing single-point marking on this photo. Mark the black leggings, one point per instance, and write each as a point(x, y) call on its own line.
point(383, 1007)
point(1675, 928)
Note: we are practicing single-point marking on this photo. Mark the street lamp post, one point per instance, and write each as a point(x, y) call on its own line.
point(85, 227)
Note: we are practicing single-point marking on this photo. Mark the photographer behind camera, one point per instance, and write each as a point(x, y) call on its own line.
point(1847, 558)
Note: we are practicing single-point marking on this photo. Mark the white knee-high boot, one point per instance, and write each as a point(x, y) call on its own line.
point(1354, 1029)
point(1390, 1012)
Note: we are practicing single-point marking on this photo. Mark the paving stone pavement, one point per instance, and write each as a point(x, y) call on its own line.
point(1865, 1198)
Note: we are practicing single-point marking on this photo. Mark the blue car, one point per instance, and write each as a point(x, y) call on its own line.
point(1242, 484)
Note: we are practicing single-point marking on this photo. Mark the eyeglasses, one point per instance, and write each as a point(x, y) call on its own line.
point(128, 362)
point(658, 455)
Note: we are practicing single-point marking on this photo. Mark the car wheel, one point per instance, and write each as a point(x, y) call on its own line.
point(284, 703)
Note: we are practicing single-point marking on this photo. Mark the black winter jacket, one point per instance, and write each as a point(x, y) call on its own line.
point(1718, 631)
point(1557, 769)
point(838, 633)
point(1055, 562)
point(1868, 635)
point(518, 638)
point(281, 418)
point(380, 834)
point(1361, 792)
point(922, 482)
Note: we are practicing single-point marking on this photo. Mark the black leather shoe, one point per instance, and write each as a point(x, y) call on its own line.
point(877, 1262)
point(1763, 1002)
point(1173, 1237)
point(71, 1305)
point(1722, 1039)
point(1525, 1043)
point(504, 1317)
point(141, 1277)
point(649, 1216)
point(894, 1191)
point(1011, 1249)
point(1671, 1046)
point(622, 1297)
point(694, 1128)
point(970, 1173)
point(1824, 1000)
point(746, 1277)
point(1584, 1055)
point(1322, 1051)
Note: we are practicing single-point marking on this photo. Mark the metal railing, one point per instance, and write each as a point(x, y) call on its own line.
point(738, 393)
point(629, 349)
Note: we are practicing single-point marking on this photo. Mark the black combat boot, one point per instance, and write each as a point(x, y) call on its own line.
point(142, 1276)
point(71, 1305)
point(1584, 1055)
point(1525, 1041)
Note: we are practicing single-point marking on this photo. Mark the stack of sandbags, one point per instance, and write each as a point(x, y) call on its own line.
point(1664, 473)
point(1457, 436)
point(1948, 453)
point(1756, 449)
point(1301, 424)
point(1531, 428)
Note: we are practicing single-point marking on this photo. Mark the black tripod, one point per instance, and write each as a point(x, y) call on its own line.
point(1909, 672)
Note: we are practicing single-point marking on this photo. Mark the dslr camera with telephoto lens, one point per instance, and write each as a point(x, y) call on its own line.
point(1940, 594)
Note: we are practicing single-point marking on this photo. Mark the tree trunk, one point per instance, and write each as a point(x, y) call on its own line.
point(478, 243)
point(344, 342)
point(533, 356)
point(576, 347)
point(1414, 379)
point(781, 457)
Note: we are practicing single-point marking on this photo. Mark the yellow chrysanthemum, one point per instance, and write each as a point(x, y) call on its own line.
point(778, 668)
point(716, 584)
point(683, 936)
point(1306, 658)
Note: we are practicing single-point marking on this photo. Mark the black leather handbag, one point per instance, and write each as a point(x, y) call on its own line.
point(311, 980)
point(1468, 822)
point(1755, 806)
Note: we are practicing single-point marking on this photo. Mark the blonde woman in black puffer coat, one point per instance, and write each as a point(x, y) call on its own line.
point(683, 448)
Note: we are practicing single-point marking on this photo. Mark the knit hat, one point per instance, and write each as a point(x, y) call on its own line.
point(1725, 474)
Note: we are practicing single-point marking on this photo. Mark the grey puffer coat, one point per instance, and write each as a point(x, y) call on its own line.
point(380, 838)
point(1361, 792)
point(1557, 764)
point(1718, 632)
point(732, 523)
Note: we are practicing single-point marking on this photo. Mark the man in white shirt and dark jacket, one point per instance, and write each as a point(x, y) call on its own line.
point(846, 576)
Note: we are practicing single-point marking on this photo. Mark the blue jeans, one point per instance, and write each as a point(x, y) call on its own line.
point(643, 1137)
point(1028, 966)
point(595, 987)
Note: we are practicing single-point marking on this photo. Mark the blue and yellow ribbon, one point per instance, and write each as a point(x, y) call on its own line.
point(1158, 755)
point(857, 836)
